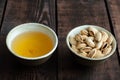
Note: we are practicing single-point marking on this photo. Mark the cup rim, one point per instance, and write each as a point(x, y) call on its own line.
point(33, 58)
point(87, 58)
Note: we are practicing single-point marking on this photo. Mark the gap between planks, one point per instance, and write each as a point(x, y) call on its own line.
point(3, 14)
point(111, 28)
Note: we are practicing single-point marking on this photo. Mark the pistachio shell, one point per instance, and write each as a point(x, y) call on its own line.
point(81, 45)
point(92, 31)
point(92, 53)
point(99, 54)
point(90, 42)
point(83, 54)
point(84, 32)
point(74, 48)
point(104, 45)
point(99, 45)
point(107, 50)
point(91, 37)
point(72, 40)
point(78, 37)
point(86, 49)
point(110, 39)
point(84, 37)
point(98, 36)
point(104, 36)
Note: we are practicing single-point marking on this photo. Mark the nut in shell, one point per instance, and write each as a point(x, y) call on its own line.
point(92, 53)
point(98, 36)
point(90, 42)
point(99, 54)
point(84, 32)
point(104, 45)
point(99, 45)
point(78, 38)
point(104, 36)
point(107, 50)
point(81, 45)
point(92, 31)
point(86, 49)
point(83, 54)
point(110, 39)
point(74, 48)
point(72, 40)
point(83, 37)
point(91, 37)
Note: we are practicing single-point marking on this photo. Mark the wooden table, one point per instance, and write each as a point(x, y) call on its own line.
point(61, 16)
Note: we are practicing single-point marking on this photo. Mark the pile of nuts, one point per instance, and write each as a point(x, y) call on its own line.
point(91, 43)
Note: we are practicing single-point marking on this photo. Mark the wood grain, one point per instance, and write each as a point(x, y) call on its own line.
point(70, 13)
point(73, 13)
point(18, 12)
point(2, 9)
point(114, 11)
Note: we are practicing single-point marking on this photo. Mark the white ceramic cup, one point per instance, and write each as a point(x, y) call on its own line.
point(32, 27)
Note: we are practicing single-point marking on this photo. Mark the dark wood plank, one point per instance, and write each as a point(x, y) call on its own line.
point(114, 11)
point(22, 11)
point(2, 8)
point(72, 13)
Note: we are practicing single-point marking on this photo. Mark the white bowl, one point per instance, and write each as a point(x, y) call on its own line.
point(32, 27)
point(86, 60)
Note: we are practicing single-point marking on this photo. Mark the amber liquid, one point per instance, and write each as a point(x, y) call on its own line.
point(32, 44)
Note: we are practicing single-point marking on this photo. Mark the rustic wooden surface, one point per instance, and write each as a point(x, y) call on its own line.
point(22, 11)
point(61, 16)
point(114, 11)
point(74, 13)
point(2, 10)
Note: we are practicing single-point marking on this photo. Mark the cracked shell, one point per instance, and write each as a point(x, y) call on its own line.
point(74, 48)
point(104, 36)
point(78, 37)
point(110, 40)
point(90, 42)
point(72, 40)
point(104, 45)
point(92, 31)
point(92, 53)
point(81, 45)
point(84, 32)
point(98, 36)
point(84, 54)
point(99, 54)
point(86, 49)
point(99, 45)
point(107, 50)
